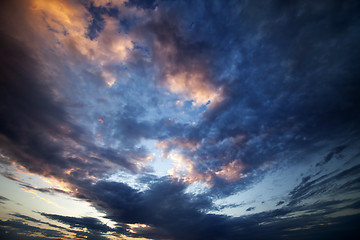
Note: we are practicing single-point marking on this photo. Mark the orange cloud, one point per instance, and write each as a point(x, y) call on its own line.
point(105, 3)
point(62, 15)
point(193, 86)
point(31, 191)
point(66, 24)
point(137, 226)
point(184, 143)
point(167, 145)
point(184, 169)
point(101, 121)
point(190, 78)
point(231, 172)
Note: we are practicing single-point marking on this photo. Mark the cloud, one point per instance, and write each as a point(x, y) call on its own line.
point(31, 219)
point(90, 223)
point(182, 65)
point(11, 176)
point(269, 105)
point(43, 190)
point(69, 24)
point(37, 130)
point(166, 211)
point(250, 209)
point(10, 229)
point(330, 155)
point(94, 226)
point(106, 3)
point(3, 199)
point(313, 186)
point(142, 4)
point(164, 207)
point(185, 169)
point(192, 85)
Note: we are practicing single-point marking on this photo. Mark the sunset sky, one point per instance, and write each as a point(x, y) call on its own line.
point(179, 120)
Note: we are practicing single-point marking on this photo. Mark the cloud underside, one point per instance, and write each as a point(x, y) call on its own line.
point(227, 92)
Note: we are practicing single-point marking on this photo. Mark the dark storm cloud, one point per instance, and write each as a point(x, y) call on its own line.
point(28, 113)
point(165, 207)
point(31, 219)
point(90, 223)
point(163, 200)
point(171, 213)
point(9, 230)
point(18, 230)
point(93, 225)
point(250, 227)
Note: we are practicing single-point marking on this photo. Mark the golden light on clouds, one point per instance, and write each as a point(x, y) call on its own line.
point(177, 143)
point(231, 172)
point(63, 18)
point(134, 227)
point(194, 87)
point(105, 3)
point(184, 168)
point(68, 23)
point(31, 191)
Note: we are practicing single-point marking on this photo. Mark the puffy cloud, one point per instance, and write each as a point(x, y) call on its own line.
point(185, 169)
point(193, 85)
point(231, 171)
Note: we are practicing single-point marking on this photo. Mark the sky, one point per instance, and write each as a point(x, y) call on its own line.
point(179, 120)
